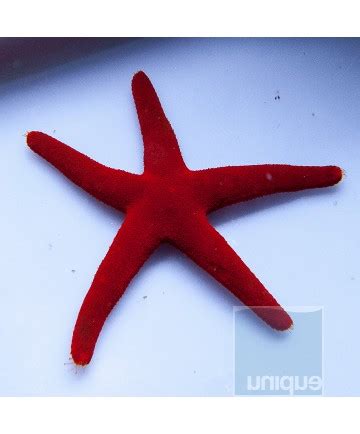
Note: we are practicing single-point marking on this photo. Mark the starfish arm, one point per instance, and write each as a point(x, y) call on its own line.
point(161, 150)
point(132, 246)
point(228, 185)
point(207, 248)
point(114, 187)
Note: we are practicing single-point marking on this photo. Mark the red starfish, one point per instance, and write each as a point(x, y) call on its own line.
point(170, 203)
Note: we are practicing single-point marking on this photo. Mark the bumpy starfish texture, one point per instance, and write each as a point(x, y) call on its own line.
point(169, 203)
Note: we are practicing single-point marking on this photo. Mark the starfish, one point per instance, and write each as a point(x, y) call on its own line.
point(168, 202)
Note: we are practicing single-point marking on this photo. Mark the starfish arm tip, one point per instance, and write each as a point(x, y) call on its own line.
point(287, 326)
point(342, 174)
point(139, 75)
point(79, 358)
point(31, 138)
point(333, 175)
point(35, 140)
point(275, 316)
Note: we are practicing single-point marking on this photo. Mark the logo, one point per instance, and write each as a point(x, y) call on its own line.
point(269, 362)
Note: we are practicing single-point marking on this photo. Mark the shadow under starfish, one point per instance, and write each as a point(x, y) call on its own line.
point(169, 203)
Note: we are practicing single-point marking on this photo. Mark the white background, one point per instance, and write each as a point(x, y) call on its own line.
point(220, 98)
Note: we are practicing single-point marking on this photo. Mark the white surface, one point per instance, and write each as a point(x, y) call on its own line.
point(219, 97)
